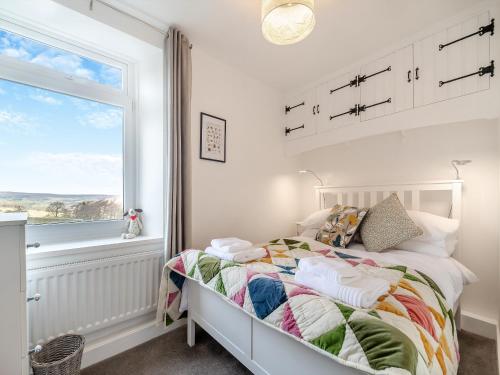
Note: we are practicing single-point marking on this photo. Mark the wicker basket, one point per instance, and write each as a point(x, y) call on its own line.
point(61, 356)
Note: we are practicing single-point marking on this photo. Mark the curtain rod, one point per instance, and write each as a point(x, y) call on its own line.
point(161, 31)
point(91, 7)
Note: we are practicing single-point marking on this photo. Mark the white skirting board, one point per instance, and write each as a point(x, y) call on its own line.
point(121, 341)
point(479, 325)
point(498, 345)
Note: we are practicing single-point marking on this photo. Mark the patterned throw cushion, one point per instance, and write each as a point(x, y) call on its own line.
point(387, 224)
point(341, 225)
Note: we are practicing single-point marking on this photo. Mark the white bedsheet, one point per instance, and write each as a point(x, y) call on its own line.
point(449, 274)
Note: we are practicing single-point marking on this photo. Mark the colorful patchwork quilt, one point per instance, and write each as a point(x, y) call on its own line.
point(411, 330)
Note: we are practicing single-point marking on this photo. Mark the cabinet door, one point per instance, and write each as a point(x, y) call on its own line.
point(455, 60)
point(403, 79)
point(299, 115)
point(388, 82)
point(334, 100)
point(13, 318)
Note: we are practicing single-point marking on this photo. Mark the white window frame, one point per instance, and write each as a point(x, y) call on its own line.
point(23, 72)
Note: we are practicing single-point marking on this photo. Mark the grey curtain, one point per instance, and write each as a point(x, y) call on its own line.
point(178, 122)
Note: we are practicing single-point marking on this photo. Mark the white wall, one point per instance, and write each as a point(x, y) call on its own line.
point(252, 195)
point(425, 154)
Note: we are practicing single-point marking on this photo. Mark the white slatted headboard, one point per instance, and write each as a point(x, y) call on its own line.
point(410, 194)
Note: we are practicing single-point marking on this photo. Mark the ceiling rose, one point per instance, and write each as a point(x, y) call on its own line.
point(287, 21)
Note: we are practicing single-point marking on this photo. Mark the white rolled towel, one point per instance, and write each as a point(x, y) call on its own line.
point(362, 293)
point(230, 244)
point(333, 269)
point(240, 257)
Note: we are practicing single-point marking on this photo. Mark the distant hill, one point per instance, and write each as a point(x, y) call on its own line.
point(46, 208)
point(14, 195)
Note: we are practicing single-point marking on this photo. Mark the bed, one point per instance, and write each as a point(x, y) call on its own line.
point(273, 344)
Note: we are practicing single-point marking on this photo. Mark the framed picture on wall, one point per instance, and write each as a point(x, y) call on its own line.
point(212, 138)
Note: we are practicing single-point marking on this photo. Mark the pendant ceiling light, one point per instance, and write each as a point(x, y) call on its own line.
point(287, 21)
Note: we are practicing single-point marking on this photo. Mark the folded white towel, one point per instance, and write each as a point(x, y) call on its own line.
point(230, 244)
point(333, 269)
point(234, 248)
point(240, 257)
point(362, 293)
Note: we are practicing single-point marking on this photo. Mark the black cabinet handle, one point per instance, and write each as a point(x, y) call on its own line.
point(416, 73)
point(317, 109)
point(288, 108)
point(314, 109)
point(289, 130)
point(490, 69)
point(35, 298)
point(409, 76)
point(482, 30)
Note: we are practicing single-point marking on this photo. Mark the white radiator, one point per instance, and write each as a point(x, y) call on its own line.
point(88, 296)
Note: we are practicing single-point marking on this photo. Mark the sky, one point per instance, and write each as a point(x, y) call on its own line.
point(56, 143)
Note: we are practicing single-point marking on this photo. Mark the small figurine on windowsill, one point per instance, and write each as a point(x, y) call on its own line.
point(134, 223)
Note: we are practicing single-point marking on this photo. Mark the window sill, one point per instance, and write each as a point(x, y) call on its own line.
point(91, 246)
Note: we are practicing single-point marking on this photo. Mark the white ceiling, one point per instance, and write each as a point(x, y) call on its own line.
point(346, 30)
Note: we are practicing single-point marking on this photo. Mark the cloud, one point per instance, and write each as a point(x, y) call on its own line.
point(82, 172)
point(108, 119)
point(26, 49)
point(87, 163)
point(16, 121)
point(30, 50)
point(46, 99)
point(4, 42)
point(66, 63)
point(84, 104)
point(111, 75)
point(17, 53)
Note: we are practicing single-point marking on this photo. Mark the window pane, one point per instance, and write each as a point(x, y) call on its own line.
point(60, 156)
point(25, 49)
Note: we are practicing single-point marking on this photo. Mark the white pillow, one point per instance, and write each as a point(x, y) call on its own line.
point(310, 233)
point(442, 249)
point(440, 235)
point(316, 219)
point(436, 228)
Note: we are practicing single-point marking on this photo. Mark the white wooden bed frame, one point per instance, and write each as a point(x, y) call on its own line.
point(259, 347)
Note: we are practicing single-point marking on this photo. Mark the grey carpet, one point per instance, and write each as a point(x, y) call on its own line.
point(478, 355)
point(169, 354)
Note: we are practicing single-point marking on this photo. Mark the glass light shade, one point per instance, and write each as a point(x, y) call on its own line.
point(287, 22)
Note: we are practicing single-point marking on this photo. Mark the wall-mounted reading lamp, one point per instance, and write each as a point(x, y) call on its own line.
point(458, 163)
point(304, 171)
point(307, 171)
point(455, 164)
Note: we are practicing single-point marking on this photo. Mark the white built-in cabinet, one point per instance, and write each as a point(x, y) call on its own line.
point(413, 76)
point(13, 311)
point(434, 64)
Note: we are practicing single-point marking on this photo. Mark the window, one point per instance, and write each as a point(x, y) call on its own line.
point(29, 50)
point(60, 156)
point(66, 149)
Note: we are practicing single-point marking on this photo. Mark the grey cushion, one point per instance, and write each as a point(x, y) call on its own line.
point(387, 224)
